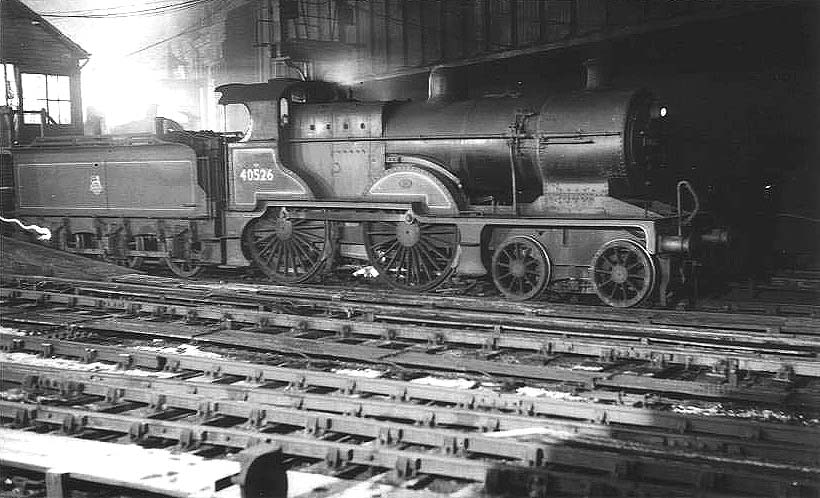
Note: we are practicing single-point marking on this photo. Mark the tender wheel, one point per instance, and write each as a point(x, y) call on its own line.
point(411, 255)
point(182, 261)
point(521, 268)
point(184, 268)
point(64, 241)
point(623, 273)
point(85, 241)
point(113, 255)
point(140, 243)
point(288, 250)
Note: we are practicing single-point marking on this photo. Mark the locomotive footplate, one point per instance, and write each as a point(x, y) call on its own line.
point(416, 251)
point(468, 222)
point(349, 211)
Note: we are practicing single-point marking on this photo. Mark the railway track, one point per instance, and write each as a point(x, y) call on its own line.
point(726, 363)
point(349, 301)
point(342, 287)
point(556, 402)
point(216, 404)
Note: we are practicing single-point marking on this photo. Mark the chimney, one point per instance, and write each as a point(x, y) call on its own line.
point(597, 73)
point(446, 84)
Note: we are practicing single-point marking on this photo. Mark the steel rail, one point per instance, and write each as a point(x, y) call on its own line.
point(259, 415)
point(765, 323)
point(335, 454)
point(141, 428)
point(763, 308)
point(424, 302)
point(593, 455)
point(502, 311)
point(734, 477)
point(446, 441)
point(800, 362)
point(212, 397)
point(461, 318)
point(692, 323)
point(308, 348)
point(565, 328)
point(490, 401)
point(313, 348)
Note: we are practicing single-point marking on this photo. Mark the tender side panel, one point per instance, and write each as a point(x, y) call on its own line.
point(6, 184)
point(151, 180)
point(154, 180)
point(60, 182)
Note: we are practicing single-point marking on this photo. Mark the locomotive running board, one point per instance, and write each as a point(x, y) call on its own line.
point(346, 205)
point(470, 225)
point(340, 210)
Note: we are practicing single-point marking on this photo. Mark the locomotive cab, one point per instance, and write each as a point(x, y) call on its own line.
point(256, 171)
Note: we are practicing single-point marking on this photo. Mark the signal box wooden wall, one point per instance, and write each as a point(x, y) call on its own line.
point(40, 70)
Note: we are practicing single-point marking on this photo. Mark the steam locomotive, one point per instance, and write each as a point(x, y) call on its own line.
point(537, 192)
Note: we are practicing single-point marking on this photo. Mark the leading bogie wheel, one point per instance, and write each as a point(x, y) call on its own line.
point(623, 273)
point(521, 268)
point(288, 250)
point(410, 255)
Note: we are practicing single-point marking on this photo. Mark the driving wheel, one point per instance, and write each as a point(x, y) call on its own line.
point(410, 255)
point(288, 250)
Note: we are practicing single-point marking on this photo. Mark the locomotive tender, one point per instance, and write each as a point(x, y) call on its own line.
point(534, 191)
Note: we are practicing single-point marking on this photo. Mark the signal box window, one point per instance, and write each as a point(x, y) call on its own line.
point(10, 87)
point(46, 91)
